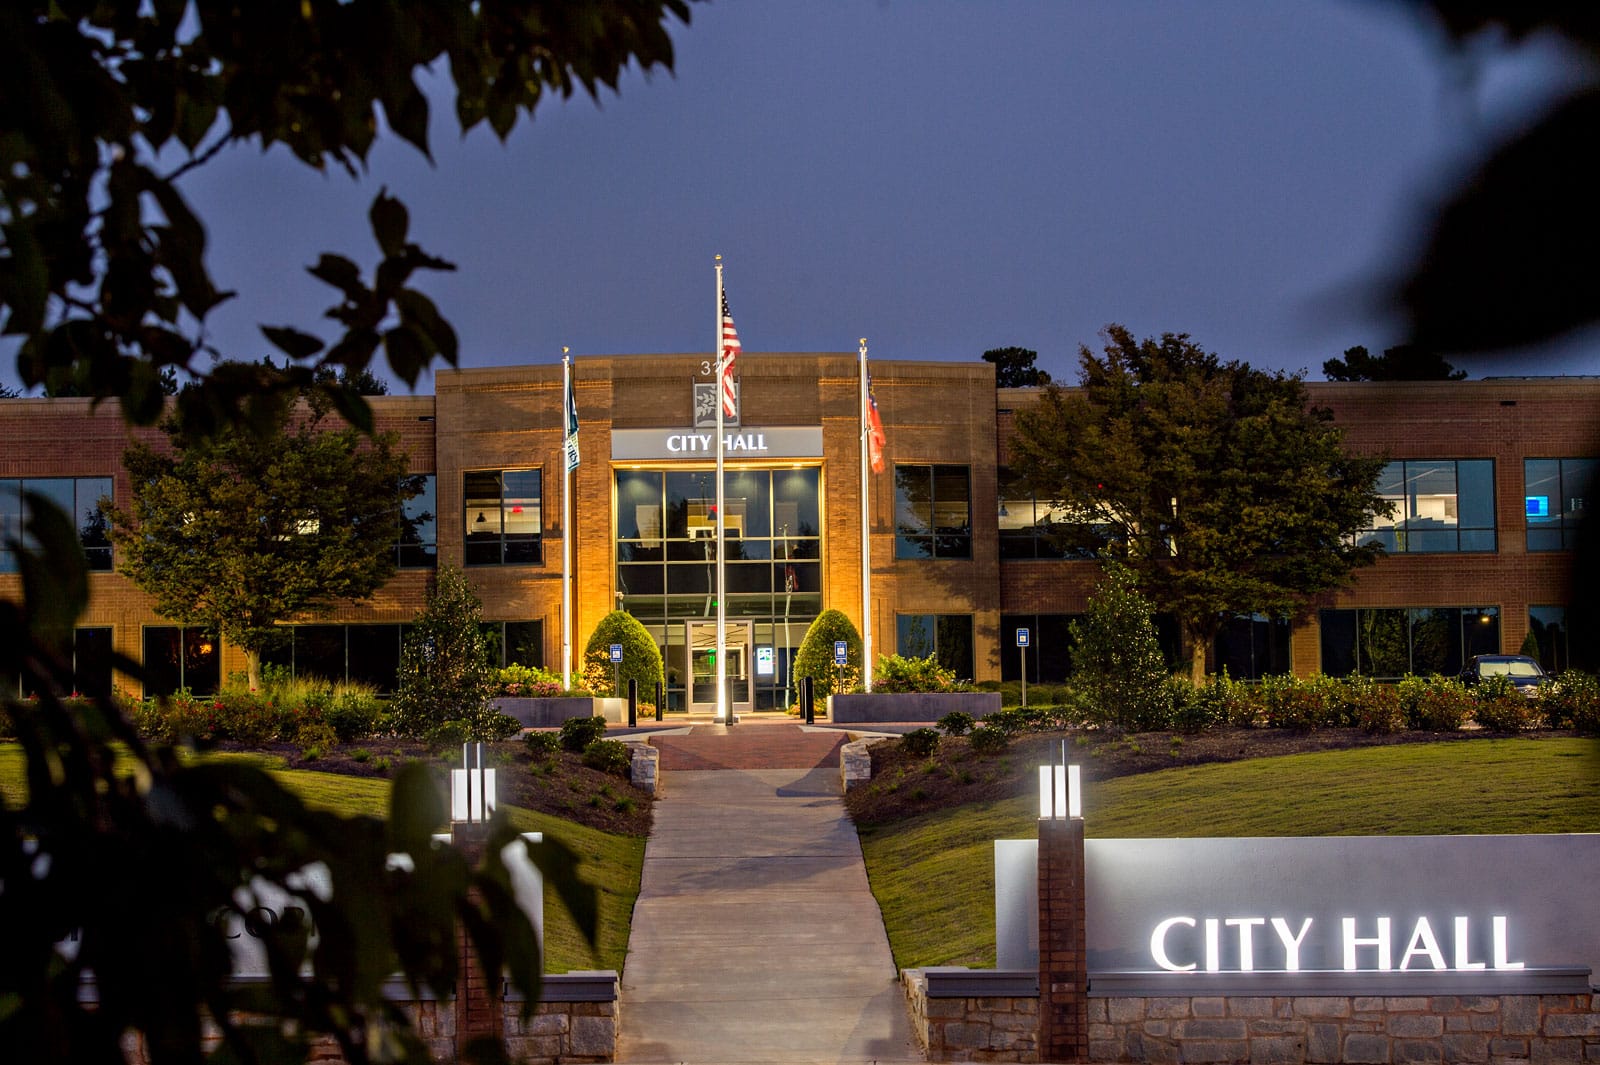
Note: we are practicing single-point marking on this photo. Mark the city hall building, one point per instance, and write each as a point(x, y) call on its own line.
point(1486, 477)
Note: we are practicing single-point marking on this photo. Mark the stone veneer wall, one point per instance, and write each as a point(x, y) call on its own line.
point(580, 1032)
point(1273, 1030)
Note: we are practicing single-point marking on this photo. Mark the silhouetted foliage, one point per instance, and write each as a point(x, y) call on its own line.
point(1013, 368)
point(1406, 362)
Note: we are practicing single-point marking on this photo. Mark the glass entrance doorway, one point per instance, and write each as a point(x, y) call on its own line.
point(700, 637)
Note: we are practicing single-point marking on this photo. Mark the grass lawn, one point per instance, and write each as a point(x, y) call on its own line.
point(933, 874)
point(611, 862)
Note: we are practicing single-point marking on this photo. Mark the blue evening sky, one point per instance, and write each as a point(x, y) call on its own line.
point(940, 177)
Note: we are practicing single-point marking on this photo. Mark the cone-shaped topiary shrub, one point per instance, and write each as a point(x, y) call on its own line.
point(815, 659)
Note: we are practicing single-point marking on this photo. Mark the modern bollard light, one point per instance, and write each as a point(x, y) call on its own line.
point(1060, 796)
point(471, 787)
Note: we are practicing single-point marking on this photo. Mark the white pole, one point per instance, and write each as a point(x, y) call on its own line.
point(866, 533)
point(566, 528)
point(723, 710)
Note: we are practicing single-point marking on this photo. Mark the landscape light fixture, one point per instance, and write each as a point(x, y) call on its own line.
point(1060, 796)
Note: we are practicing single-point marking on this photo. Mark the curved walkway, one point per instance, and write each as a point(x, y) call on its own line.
point(755, 937)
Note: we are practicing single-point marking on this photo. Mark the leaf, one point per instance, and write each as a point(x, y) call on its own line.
point(292, 342)
point(419, 312)
point(1510, 260)
point(55, 575)
point(415, 809)
point(408, 352)
point(341, 273)
point(390, 221)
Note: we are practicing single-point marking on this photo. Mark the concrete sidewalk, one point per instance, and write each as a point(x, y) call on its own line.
point(755, 938)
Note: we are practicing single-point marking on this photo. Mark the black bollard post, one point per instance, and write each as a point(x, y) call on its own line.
point(633, 702)
point(806, 701)
point(658, 700)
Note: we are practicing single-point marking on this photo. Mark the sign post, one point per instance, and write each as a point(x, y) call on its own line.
point(841, 658)
point(616, 667)
point(1022, 653)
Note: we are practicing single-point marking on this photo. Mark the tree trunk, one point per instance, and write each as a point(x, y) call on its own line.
point(252, 668)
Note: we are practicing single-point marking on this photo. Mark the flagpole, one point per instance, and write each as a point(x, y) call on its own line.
point(566, 522)
point(724, 711)
point(866, 534)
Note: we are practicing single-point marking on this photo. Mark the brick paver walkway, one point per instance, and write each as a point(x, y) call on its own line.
point(749, 745)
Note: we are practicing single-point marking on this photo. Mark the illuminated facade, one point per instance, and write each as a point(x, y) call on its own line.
point(1487, 477)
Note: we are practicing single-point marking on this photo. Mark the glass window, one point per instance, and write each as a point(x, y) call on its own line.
point(1439, 505)
point(1036, 528)
point(1050, 646)
point(502, 516)
point(1548, 626)
point(933, 512)
point(1555, 496)
point(947, 637)
point(91, 663)
point(515, 642)
point(418, 547)
point(180, 658)
point(1252, 646)
point(1389, 643)
point(77, 497)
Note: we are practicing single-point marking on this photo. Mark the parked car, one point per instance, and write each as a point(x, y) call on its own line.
point(1524, 672)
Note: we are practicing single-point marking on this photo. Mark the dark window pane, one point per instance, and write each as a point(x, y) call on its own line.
point(202, 662)
point(1544, 540)
point(1383, 643)
point(645, 579)
point(319, 652)
point(954, 639)
point(914, 635)
point(419, 526)
point(163, 665)
point(374, 655)
point(524, 643)
point(1338, 639)
point(91, 661)
point(1480, 633)
point(1435, 640)
point(687, 579)
point(1475, 492)
point(638, 505)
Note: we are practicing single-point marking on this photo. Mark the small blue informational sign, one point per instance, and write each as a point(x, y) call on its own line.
point(616, 652)
point(841, 652)
point(1022, 637)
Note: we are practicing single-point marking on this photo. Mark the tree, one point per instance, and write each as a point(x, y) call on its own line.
point(815, 658)
point(445, 673)
point(102, 275)
point(1116, 656)
point(106, 279)
point(1013, 368)
point(237, 532)
point(1405, 362)
point(641, 658)
point(1218, 485)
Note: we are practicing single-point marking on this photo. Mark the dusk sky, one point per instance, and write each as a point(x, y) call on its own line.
point(938, 177)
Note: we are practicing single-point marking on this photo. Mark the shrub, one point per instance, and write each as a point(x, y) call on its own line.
point(1371, 706)
point(989, 738)
point(578, 732)
point(1293, 703)
point(445, 674)
point(922, 742)
point(956, 723)
point(1572, 700)
point(527, 682)
point(609, 756)
point(815, 658)
point(1499, 707)
point(896, 674)
point(1196, 708)
point(315, 739)
point(542, 745)
point(1009, 721)
point(354, 713)
point(1116, 657)
point(641, 658)
point(1435, 703)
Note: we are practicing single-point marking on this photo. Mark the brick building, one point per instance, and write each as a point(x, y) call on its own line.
point(1487, 477)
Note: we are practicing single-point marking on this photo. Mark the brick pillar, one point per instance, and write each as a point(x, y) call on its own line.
point(1063, 965)
point(478, 1001)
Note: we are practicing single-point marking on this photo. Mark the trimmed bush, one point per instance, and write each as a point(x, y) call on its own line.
point(1373, 707)
point(1010, 721)
point(896, 674)
point(578, 732)
point(956, 723)
point(542, 745)
point(815, 659)
point(641, 658)
point(609, 756)
point(1434, 704)
point(354, 714)
point(989, 738)
point(1572, 700)
point(527, 682)
point(1499, 707)
point(922, 742)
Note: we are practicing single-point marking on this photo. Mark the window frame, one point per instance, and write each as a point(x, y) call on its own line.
point(1404, 535)
point(918, 537)
point(506, 547)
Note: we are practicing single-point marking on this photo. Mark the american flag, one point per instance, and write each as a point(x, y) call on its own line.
point(730, 352)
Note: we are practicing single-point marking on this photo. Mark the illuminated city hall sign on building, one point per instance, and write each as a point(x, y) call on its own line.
point(774, 442)
point(1397, 908)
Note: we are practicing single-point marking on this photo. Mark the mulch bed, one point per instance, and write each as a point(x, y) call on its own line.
point(960, 776)
point(560, 785)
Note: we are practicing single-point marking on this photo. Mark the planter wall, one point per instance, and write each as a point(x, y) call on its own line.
point(910, 706)
point(550, 713)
